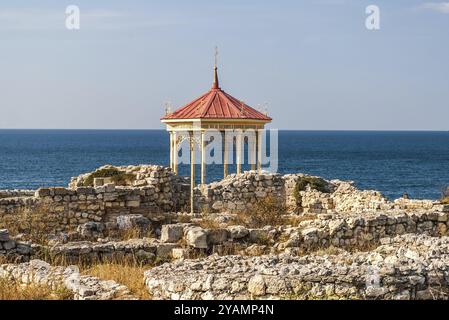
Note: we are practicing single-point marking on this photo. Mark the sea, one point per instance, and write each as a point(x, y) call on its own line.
point(392, 162)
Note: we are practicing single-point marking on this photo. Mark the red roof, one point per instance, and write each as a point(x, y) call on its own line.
point(216, 104)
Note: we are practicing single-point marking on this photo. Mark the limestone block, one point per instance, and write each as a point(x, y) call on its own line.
point(4, 235)
point(257, 286)
point(164, 250)
point(217, 236)
point(11, 244)
point(238, 232)
point(172, 232)
point(179, 253)
point(196, 237)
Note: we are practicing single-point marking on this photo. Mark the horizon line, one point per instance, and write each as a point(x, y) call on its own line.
point(279, 129)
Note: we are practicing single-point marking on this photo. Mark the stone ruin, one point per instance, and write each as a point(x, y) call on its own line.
point(358, 225)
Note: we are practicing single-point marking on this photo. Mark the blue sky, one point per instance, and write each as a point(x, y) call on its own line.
point(313, 63)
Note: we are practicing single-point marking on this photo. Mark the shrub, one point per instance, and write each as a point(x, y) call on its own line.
point(445, 197)
point(118, 177)
point(314, 183)
point(268, 211)
point(35, 225)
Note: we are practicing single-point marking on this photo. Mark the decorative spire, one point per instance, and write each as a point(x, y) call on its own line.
point(216, 85)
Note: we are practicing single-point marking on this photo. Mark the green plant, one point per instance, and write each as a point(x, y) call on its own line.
point(117, 176)
point(315, 183)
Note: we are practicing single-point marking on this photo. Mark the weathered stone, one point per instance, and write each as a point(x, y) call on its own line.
point(178, 253)
point(237, 232)
point(8, 245)
point(83, 287)
point(4, 235)
point(257, 286)
point(196, 237)
point(133, 220)
point(164, 250)
point(217, 236)
point(172, 232)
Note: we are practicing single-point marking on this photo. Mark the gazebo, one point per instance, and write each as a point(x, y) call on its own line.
point(219, 111)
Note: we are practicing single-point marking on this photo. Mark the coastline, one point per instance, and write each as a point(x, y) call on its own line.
point(392, 162)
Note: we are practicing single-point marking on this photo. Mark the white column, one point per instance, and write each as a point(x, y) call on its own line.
point(253, 151)
point(259, 150)
point(192, 170)
point(203, 157)
point(239, 152)
point(171, 150)
point(225, 155)
point(175, 152)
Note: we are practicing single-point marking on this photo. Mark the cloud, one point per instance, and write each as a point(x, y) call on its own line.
point(441, 7)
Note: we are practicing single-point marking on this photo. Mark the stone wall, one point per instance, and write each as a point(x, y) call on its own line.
point(408, 267)
point(237, 193)
point(144, 250)
point(16, 193)
point(161, 191)
point(338, 230)
point(12, 250)
point(17, 204)
point(83, 287)
point(157, 189)
point(360, 230)
point(77, 206)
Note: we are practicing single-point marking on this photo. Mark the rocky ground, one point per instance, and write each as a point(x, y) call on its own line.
point(404, 267)
point(337, 242)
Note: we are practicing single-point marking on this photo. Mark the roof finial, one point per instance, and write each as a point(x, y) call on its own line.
point(215, 85)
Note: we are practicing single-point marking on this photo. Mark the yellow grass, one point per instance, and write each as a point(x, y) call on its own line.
point(126, 273)
point(36, 225)
point(12, 290)
point(295, 220)
point(267, 211)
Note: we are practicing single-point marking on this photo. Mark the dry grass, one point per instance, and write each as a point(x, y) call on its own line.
point(445, 200)
point(126, 273)
point(268, 211)
point(131, 233)
point(295, 220)
point(184, 218)
point(12, 290)
point(208, 223)
point(331, 251)
point(35, 225)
